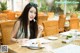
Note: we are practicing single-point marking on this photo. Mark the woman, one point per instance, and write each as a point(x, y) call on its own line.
point(26, 26)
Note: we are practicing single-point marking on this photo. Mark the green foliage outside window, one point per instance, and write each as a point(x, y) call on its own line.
point(58, 8)
point(3, 6)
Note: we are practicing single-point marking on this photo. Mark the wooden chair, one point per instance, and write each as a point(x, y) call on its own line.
point(6, 29)
point(50, 27)
point(11, 15)
point(74, 16)
point(40, 13)
point(50, 14)
point(74, 23)
point(62, 20)
point(3, 16)
point(17, 13)
point(6, 11)
point(41, 19)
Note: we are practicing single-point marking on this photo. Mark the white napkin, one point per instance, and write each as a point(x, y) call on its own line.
point(71, 48)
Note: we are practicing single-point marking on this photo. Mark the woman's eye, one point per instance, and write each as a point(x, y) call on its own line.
point(31, 11)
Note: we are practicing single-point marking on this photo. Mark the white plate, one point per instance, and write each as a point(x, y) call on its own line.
point(52, 38)
point(33, 46)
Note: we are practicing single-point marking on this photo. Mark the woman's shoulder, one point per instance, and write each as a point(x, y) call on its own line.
point(17, 23)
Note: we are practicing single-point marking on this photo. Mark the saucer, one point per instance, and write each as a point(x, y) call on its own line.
point(52, 38)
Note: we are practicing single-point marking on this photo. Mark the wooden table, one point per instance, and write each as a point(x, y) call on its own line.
point(15, 48)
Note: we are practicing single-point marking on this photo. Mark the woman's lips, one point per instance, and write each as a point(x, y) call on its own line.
point(31, 17)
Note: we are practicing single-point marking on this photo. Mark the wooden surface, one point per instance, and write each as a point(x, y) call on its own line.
point(15, 48)
point(6, 29)
point(50, 27)
point(2, 22)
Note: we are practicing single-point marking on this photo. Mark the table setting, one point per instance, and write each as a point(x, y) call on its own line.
point(35, 43)
point(69, 36)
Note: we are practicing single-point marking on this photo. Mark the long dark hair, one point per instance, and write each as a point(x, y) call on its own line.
point(24, 20)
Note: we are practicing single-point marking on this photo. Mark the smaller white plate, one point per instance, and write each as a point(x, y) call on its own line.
point(52, 38)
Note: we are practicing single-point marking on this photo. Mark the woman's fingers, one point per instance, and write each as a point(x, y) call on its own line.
point(40, 28)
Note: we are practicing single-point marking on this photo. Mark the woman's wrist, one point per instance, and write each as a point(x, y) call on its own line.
point(16, 40)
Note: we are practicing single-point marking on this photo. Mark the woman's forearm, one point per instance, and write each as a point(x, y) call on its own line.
point(40, 29)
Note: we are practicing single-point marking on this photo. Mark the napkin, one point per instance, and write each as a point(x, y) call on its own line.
point(71, 48)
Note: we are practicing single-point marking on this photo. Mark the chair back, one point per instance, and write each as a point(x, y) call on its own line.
point(11, 15)
point(41, 19)
point(17, 14)
point(74, 16)
point(6, 28)
point(41, 14)
point(62, 19)
point(50, 14)
point(74, 23)
point(50, 27)
point(3, 16)
point(6, 11)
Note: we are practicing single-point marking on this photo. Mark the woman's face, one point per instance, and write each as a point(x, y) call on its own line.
point(32, 13)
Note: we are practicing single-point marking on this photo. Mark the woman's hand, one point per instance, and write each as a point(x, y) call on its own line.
point(22, 41)
point(40, 29)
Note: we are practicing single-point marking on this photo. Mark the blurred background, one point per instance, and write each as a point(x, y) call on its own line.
point(56, 6)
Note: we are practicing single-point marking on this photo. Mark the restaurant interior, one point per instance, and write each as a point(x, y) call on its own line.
point(61, 26)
